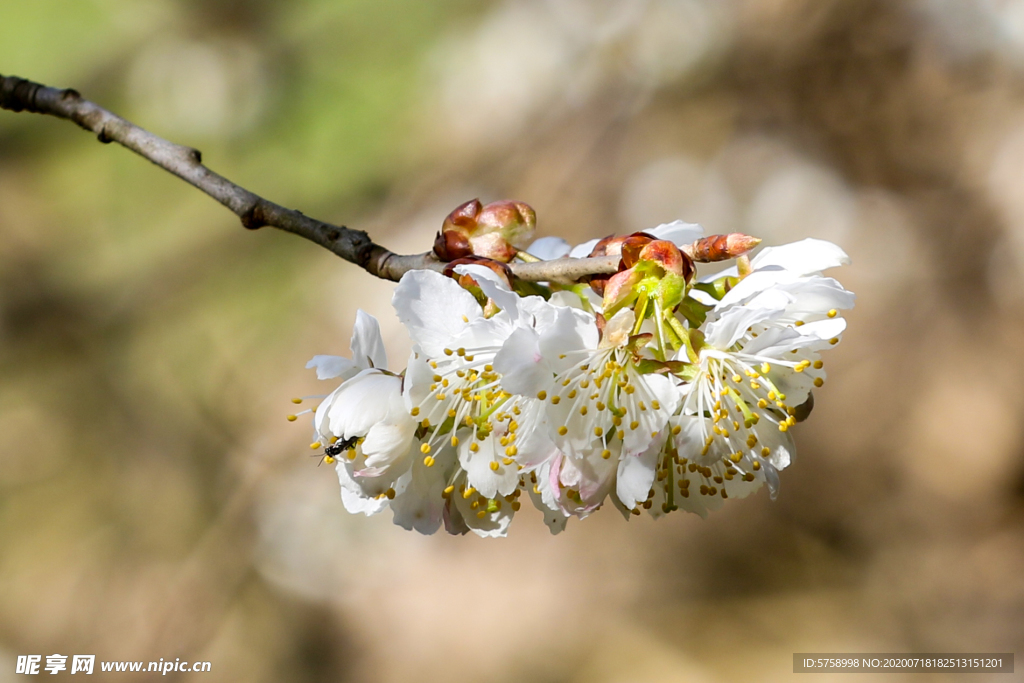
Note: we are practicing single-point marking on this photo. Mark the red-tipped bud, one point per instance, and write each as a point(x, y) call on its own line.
point(496, 231)
point(632, 246)
point(450, 245)
point(668, 256)
point(467, 281)
point(722, 247)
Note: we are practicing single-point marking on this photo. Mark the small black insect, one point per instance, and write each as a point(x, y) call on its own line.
point(335, 449)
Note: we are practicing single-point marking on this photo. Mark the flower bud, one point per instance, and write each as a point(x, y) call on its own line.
point(722, 247)
point(613, 246)
point(496, 231)
point(668, 256)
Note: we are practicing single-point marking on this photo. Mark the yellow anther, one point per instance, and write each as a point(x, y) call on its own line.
point(328, 459)
point(511, 451)
point(818, 365)
point(440, 397)
point(507, 461)
point(736, 457)
point(833, 313)
point(606, 454)
point(488, 368)
point(429, 461)
point(641, 405)
point(415, 411)
point(572, 394)
point(598, 431)
point(503, 440)
point(629, 389)
point(818, 381)
point(755, 385)
point(542, 395)
point(765, 452)
point(757, 465)
point(390, 493)
point(751, 440)
point(448, 352)
point(494, 465)
point(737, 379)
point(655, 405)
point(536, 489)
point(461, 351)
point(765, 368)
point(583, 410)
point(292, 418)
point(465, 319)
point(783, 426)
point(455, 441)
point(296, 401)
point(334, 439)
point(474, 447)
point(833, 341)
point(617, 421)
point(425, 448)
point(315, 445)
point(676, 430)
point(799, 323)
point(351, 454)
point(634, 424)
point(451, 412)
point(437, 378)
point(555, 400)
point(584, 384)
point(468, 493)
point(563, 430)
point(516, 505)
point(600, 406)
point(448, 491)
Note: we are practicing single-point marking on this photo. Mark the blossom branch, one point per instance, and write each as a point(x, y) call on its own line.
point(355, 246)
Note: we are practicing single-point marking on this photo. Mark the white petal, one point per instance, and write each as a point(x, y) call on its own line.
point(367, 345)
point(387, 443)
point(548, 248)
point(434, 308)
point(583, 250)
point(679, 232)
point(353, 497)
point(488, 482)
point(420, 507)
point(362, 402)
point(329, 367)
point(521, 364)
point(802, 258)
point(635, 476)
point(493, 286)
point(733, 321)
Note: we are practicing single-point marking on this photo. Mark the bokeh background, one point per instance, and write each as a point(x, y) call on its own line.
point(154, 502)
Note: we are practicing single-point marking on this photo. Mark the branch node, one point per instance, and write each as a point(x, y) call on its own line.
point(195, 155)
point(252, 219)
point(103, 137)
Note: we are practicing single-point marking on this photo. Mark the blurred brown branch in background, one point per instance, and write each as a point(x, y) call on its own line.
point(355, 246)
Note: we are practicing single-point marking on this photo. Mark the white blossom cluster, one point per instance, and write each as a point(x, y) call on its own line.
point(668, 399)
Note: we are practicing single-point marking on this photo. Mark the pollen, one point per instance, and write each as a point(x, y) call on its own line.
point(583, 410)
point(818, 365)
point(429, 461)
point(315, 445)
point(455, 441)
point(818, 381)
point(296, 401)
point(833, 313)
point(390, 493)
point(542, 395)
point(494, 465)
point(415, 411)
point(292, 418)
point(555, 400)
point(511, 451)
point(563, 430)
point(474, 447)
point(606, 454)
point(425, 448)
point(598, 431)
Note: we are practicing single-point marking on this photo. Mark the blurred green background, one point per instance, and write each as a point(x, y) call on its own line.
point(155, 503)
